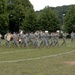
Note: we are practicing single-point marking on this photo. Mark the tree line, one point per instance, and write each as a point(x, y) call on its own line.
point(20, 14)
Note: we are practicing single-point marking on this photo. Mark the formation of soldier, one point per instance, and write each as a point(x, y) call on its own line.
point(36, 39)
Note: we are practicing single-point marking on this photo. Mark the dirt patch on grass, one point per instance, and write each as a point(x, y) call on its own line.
point(70, 62)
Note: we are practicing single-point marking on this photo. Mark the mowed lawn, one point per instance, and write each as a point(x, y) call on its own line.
point(38, 61)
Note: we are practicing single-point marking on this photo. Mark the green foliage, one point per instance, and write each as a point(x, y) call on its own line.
point(27, 5)
point(2, 6)
point(48, 20)
point(19, 14)
point(3, 23)
point(18, 9)
point(60, 10)
point(70, 20)
point(29, 23)
point(3, 17)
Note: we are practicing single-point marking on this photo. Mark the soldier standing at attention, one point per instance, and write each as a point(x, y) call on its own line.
point(72, 36)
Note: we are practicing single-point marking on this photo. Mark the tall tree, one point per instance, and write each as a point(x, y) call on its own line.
point(3, 17)
point(2, 6)
point(48, 20)
point(29, 23)
point(70, 20)
point(17, 10)
point(3, 23)
point(30, 20)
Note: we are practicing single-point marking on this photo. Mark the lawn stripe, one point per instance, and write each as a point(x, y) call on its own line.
point(15, 51)
point(22, 60)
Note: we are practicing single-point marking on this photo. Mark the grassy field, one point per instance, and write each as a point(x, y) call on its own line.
point(38, 61)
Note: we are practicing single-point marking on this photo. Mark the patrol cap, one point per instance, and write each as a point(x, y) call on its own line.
point(46, 31)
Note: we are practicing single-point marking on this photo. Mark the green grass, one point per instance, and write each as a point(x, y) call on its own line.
point(43, 66)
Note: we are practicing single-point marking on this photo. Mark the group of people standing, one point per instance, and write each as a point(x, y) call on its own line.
point(36, 39)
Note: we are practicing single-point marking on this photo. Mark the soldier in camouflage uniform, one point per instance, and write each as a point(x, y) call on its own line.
point(16, 39)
